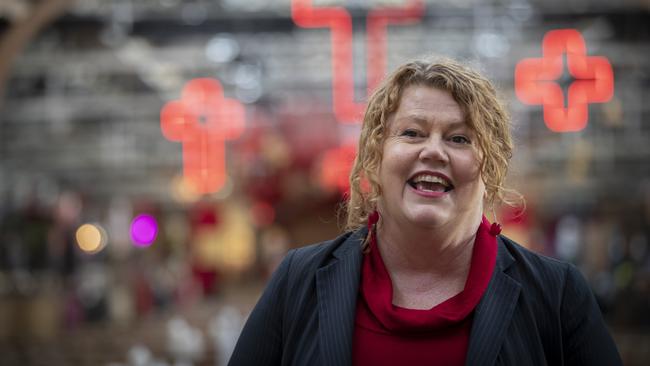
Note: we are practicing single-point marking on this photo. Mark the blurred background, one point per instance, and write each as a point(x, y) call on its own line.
point(116, 246)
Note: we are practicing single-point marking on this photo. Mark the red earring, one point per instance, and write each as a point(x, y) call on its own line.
point(495, 229)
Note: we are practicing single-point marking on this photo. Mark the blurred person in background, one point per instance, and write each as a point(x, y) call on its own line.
point(422, 277)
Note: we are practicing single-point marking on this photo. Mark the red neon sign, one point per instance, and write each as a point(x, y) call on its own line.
point(202, 120)
point(339, 21)
point(336, 166)
point(535, 80)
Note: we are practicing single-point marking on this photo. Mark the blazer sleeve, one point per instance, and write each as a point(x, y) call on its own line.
point(260, 342)
point(585, 338)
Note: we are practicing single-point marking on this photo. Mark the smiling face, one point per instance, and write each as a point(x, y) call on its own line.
point(429, 173)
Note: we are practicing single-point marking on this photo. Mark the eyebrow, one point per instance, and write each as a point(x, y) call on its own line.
point(422, 120)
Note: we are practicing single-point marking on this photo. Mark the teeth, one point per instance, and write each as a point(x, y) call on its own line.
point(430, 179)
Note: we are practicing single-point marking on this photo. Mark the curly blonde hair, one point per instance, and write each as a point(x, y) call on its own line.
point(484, 112)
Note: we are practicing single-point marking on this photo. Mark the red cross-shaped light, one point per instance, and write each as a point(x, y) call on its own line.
point(335, 167)
point(202, 120)
point(339, 21)
point(536, 80)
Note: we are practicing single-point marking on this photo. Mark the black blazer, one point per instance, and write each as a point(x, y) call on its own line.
point(535, 311)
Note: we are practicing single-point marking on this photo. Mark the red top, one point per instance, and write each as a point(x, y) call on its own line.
point(386, 334)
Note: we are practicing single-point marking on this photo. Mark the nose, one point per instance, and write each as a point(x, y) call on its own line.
point(433, 149)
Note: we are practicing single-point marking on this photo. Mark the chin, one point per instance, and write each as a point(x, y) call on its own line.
point(428, 218)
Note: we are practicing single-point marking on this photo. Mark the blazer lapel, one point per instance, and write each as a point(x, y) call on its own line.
point(493, 314)
point(337, 286)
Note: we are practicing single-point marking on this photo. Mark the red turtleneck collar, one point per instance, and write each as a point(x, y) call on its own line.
point(386, 334)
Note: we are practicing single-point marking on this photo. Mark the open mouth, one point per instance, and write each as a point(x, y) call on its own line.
point(430, 183)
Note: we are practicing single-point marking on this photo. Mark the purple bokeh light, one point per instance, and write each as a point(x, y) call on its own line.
point(144, 230)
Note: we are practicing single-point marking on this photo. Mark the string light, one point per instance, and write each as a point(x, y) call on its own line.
point(144, 230)
point(91, 238)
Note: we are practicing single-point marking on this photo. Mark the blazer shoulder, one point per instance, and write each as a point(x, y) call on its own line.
point(566, 310)
point(525, 256)
point(534, 271)
point(309, 258)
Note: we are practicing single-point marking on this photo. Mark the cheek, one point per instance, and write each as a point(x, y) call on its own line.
point(467, 169)
point(468, 175)
point(392, 161)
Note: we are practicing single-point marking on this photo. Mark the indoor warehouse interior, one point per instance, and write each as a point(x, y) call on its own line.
point(109, 255)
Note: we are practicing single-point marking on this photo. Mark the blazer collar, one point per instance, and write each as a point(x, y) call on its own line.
point(493, 313)
point(337, 287)
point(504, 258)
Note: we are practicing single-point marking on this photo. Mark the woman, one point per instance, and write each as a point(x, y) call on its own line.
point(422, 278)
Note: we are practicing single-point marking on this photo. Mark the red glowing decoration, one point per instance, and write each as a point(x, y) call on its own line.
point(263, 214)
point(336, 166)
point(535, 80)
point(339, 21)
point(202, 120)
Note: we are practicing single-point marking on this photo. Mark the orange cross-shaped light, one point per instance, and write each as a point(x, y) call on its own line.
point(202, 120)
point(536, 80)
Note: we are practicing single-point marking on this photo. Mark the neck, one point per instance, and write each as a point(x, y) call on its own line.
point(442, 251)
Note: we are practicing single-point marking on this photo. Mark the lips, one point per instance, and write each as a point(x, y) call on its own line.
point(431, 182)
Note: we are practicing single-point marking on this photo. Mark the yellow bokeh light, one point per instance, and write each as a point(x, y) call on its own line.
point(183, 191)
point(91, 238)
point(231, 246)
point(226, 190)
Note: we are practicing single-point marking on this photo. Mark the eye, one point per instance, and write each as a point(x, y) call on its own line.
point(460, 139)
point(409, 133)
